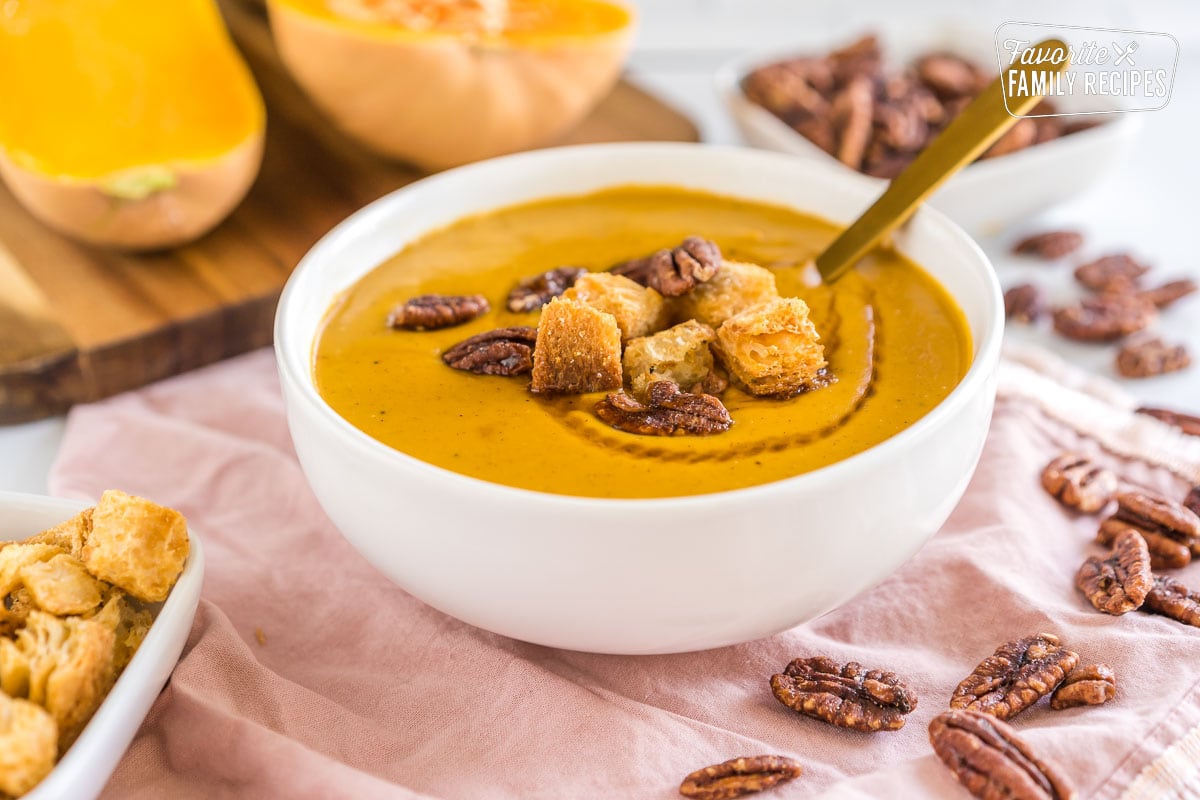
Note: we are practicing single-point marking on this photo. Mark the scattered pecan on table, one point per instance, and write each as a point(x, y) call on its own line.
point(676, 271)
point(991, 761)
point(534, 292)
point(1104, 318)
point(1092, 685)
point(846, 696)
point(1168, 293)
point(1015, 677)
point(1119, 583)
point(1024, 303)
point(667, 411)
point(1171, 598)
point(738, 777)
point(429, 312)
point(1187, 423)
point(1171, 531)
point(504, 351)
point(1078, 483)
point(1112, 273)
point(1151, 357)
point(1049, 245)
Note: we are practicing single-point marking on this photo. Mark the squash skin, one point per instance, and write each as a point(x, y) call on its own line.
point(201, 196)
point(438, 101)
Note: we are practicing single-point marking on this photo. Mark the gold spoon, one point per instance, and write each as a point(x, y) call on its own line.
point(973, 131)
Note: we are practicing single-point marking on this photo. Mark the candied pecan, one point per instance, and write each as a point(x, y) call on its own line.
point(1078, 483)
point(1118, 584)
point(504, 351)
point(428, 312)
point(1048, 129)
point(534, 292)
point(848, 697)
point(1151, 357)
point(1018, 137)
point(667, 411)
point(1049, 244)
point(901, 125)
point(862, 59)
point(1023, 303)
point(739, 776)
point(1168, 293)
point(1092, 685)
point(714, 383)
point(1171, 531)
point(1104, 318)
point(1015, 677)
point(1192, 501)
point(1111, 273)
point(1171, 598)
point(1187, 423)
point(853, 113)
point(790, 89)
point(991, 761)
point(949, 75)
point(676, 271)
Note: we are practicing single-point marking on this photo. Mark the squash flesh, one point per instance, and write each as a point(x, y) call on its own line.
point(110, 86)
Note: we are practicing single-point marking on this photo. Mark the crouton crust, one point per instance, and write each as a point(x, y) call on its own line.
point(578, 349)
point(772, 349)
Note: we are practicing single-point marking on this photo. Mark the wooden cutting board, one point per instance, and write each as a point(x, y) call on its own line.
point(79, 324)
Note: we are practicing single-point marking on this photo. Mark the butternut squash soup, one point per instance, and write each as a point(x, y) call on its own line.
point(895, 344)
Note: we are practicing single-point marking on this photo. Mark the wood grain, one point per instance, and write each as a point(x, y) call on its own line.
point(79, 324)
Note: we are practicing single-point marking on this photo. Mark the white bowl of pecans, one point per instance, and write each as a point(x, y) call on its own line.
point(646, 575)
point(870, 112)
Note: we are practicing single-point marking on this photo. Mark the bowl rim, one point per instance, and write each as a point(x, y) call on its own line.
point(86, 754)
point(977, 377)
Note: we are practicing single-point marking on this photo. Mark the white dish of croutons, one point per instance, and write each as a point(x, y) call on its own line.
point(98, 603)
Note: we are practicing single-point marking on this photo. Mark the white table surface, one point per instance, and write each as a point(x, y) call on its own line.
point(1146, 204)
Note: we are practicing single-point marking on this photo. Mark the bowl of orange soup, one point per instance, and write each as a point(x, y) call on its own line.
point(523, 467)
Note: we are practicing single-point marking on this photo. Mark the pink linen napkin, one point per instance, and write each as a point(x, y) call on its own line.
point(309, 675)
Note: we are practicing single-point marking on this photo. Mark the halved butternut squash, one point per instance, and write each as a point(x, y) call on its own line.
point(126, 123)
point(442, 82)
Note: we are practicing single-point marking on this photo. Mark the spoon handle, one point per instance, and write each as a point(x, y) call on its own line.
point(972, 132)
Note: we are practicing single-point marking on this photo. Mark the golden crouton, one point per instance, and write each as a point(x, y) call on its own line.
point(61, 585)
point(70, 535)
point(772, 348)
point(736, 287)
point(28, 745)
point(129, 625)
point(638, 310)
point(678, 354)
point(137, 545)
point(578, 349)
point(15, 557)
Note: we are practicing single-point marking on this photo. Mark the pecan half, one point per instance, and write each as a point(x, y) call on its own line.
point(853, 113)
point(1171, 598)
point(1049, 244)
point(1015, 677)
point(949, 75)
point(1024, 303)
point(738, 777)
point(1078, 483)
point(848, 696)
point(1104, 318)
point(1119, 583)
point(1171, 531)
point(1192, 501)
point(429, 312)
point(1111, 273)
point(1018, 137)
point(1092, 685)
point(504, 351)
point(534, 292)
point(676, 271)
point(991, 761)
point(1168, 293)
point(667, 411)
point(1187, 423)
point(1151, 357)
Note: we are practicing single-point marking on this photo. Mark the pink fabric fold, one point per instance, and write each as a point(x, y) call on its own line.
point(358, 690)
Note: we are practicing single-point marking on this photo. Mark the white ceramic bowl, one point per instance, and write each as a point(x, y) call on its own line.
point(634, 576)
point(985, 197)
point(82, 772)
